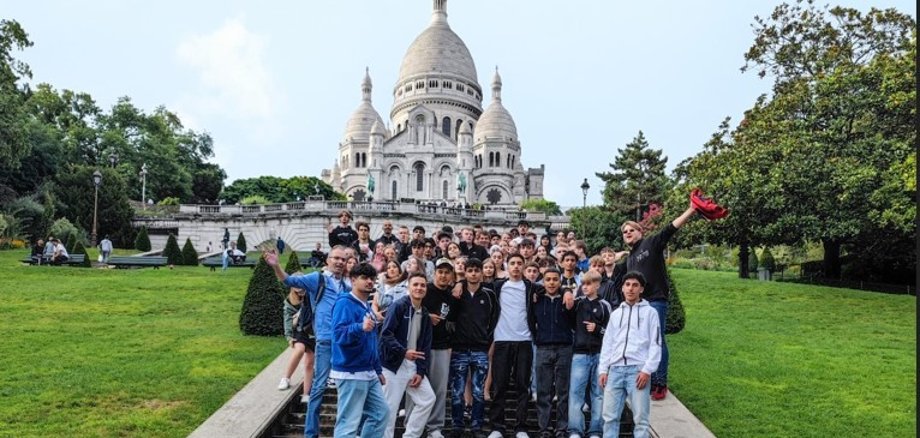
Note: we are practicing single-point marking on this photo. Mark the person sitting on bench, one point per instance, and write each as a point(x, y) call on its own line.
point(236, 256)
point(60, 254)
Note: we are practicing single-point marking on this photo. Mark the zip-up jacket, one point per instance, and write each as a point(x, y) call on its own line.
point(609, 290)
point(474, 317)
point(353, 349)
point(596, 311)
point(632, 338)
point(553, 321)
point(647, 257)
point(530, 290)
point(394, 337)
point(322, 311)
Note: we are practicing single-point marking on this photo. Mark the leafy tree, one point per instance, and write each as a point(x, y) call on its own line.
point(14, 143)
point(255, 200)
point(207, 182)
point(142, 242)
point(189, 255)
point(293, 263)
point(637, 178)
point(80, 249)
point(278, 190)
point(598, 227)
point(262, 308)
point(543, 206)
point(241, 242)
point(75, 192)
point(172, 252)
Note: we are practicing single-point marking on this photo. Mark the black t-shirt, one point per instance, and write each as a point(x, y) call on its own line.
point(439, 302)
point(647, 257)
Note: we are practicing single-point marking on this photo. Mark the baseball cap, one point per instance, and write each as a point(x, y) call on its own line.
point(444, 261)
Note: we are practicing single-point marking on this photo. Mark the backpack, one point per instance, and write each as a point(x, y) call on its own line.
point(304, 317)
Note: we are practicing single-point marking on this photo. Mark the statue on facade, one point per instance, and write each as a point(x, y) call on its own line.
point(370, 183)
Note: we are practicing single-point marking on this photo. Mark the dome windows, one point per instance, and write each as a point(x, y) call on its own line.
point(445, 126)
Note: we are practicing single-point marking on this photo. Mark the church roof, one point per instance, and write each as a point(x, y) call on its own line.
point(496, 121)
point(438, 50)
point(363, 118)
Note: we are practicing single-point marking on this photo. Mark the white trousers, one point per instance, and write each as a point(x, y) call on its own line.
point(421, 396)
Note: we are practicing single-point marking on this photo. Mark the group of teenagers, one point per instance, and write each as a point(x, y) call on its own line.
point(460, 317)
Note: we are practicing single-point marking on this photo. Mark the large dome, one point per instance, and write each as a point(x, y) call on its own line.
point(438, 50)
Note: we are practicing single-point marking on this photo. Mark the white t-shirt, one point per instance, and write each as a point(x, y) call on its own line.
point(512, 323)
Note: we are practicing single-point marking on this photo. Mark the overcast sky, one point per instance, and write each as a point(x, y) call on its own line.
point(275, 82)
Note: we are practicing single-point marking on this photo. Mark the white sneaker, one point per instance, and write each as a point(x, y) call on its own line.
point(401, 413)
point(285, 383)
point(521, 435)
point(495, 434)
point(435, 434)
point(330, 383)
point(305, 399)
point(574, 435)
point(595, 436)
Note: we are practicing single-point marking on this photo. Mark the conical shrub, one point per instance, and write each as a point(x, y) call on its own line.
point(676, 317)
point(264, 302)
point(80, 249)
point(241, 242)
point(171, 251)
point(293, 263)
point(142, 241)
point(189, 255)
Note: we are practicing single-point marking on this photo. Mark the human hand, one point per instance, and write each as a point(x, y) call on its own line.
point(619, 255)
point(568, 299)
point(457, 291)
point(415, 381)
point(383, 380)
point(641, 380)
point(368, 323)
point(271, 257)
point(590, 326)
point(435, 318)
point(602, 380)
point(414, 354)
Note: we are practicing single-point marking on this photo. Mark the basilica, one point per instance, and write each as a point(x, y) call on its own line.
point(440, 144)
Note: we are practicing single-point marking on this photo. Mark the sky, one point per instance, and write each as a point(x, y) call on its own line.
point(275, 82)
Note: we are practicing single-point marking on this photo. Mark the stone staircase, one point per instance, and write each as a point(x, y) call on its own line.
point(292, 423)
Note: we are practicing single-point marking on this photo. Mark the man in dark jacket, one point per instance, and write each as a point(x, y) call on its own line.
point(553, 337)
point(405, 344)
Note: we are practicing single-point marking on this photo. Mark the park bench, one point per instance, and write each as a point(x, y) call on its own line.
point(75, 259)
point(140, 262)
point(215, 262)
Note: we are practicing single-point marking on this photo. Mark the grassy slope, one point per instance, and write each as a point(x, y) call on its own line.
point(92, 352)
point(779, 359)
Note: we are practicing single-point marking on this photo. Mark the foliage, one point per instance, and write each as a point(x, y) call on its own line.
point(241, 242)
point(293, 264)
point(75, 192)
point(189, 255)
point(14, 145)
point(169, 200)
point(597, 226)
point(80, 249)
point(172, 252)
point(279, 190)
point(142, 242)
point(766, 260)
point(676, 318)
point(753, 262)
point(10, 227)
point(66, 231)
point(542, 205)
point(255, 200)
point(262, 307)
point(33, 219)
point(637, 178)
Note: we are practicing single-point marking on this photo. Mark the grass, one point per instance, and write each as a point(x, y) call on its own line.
point(766, 359)
point(104, 352)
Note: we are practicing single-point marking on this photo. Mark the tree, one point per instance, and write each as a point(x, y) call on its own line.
point(75, 192)
point(677, 318)
point(142, 242)
point(637, 178)
point(598, 227)
point(278, 190)
point(241, 242)
point(172, 252)
point(293, 264)
point(207, 182)
point(543, 206)
point(189, 255)
point(262, 308)
point(13, 139)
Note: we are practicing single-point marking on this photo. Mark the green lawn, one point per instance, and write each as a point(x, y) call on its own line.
point(105, 352)
point(779, 359)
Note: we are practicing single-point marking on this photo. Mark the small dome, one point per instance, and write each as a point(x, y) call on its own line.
point(496, 121)
point(465, 129)
point(438, 49)
point(377, 128)
point(363, 118)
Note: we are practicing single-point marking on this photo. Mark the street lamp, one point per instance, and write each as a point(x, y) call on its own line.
point(584, 192)
point(97, 180)
point(143, 175)
point(113, 158)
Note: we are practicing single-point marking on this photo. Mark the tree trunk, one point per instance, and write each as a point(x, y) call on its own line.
point(831, 259)
point(743, 255)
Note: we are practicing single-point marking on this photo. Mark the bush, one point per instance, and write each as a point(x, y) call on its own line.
point(189, 255)
point(676, 315)
point(169, 200)
point(767, 261)
point(65, 230)
point(262, 307)
point(142, 242)
point(255, 200)
point(241, 242)
point(80, 249)
point(752, 260)
point(293, 263)
point(171, 251)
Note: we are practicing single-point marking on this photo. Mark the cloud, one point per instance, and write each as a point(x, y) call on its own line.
point(235, 81)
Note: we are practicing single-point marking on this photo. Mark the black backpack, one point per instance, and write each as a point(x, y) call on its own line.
point(304, 317)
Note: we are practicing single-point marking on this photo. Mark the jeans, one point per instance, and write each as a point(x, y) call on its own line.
point(621, 385)
point(224, 261)
point(360, 400)
point(660, 377)
point(553, 363)
point(511, 359)
point(461, 362)
point(423, 397)
point(322, 363)
point(584, 374)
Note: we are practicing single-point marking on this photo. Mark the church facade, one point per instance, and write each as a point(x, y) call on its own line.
point(441, 144)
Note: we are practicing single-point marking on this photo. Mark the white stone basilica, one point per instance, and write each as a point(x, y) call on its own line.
point(442, 146)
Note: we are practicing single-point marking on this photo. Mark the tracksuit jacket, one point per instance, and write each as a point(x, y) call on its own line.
point(647, 257)
point(596, 311)
point(554, 322)
point(395, 336)
point(474, 319)
point(632, 338)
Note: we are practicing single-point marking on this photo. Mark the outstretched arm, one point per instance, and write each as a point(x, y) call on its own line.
point(684, 217)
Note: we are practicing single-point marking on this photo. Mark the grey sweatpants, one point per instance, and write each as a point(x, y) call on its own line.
point(438, 372)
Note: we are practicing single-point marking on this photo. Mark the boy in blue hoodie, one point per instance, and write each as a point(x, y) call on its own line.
point(355, 360)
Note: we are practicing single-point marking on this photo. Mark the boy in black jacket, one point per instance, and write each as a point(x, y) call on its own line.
point(591, 316)
point(405, 344)
point(553, 337)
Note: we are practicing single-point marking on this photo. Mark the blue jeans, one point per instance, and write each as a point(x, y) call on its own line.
point(321, 365)
point(621, 385)
point(660, 377)
point(360, 399)
point(462, 361)
point(584, 373)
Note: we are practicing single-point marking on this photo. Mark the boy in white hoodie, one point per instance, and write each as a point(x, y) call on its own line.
point(629, 355)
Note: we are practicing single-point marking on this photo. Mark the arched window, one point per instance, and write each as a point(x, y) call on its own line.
point(419, 176)
point(394, 193)
point(444, 189)
point(491, 159)
point(459, 124)
point(363, 159)
point(445, 126)
point(509, 161)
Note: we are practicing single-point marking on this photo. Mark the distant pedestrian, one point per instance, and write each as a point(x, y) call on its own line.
point(280, 244)
point(105, 247)
point(226, 240)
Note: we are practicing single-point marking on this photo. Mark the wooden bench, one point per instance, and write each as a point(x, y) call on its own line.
point(141, 262)
point(75, 259)
point(217, 262)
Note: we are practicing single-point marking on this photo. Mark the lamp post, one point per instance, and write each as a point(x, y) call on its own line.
point(584, 193)
point(97, 180)
point(143, 175)
point(113, 159)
